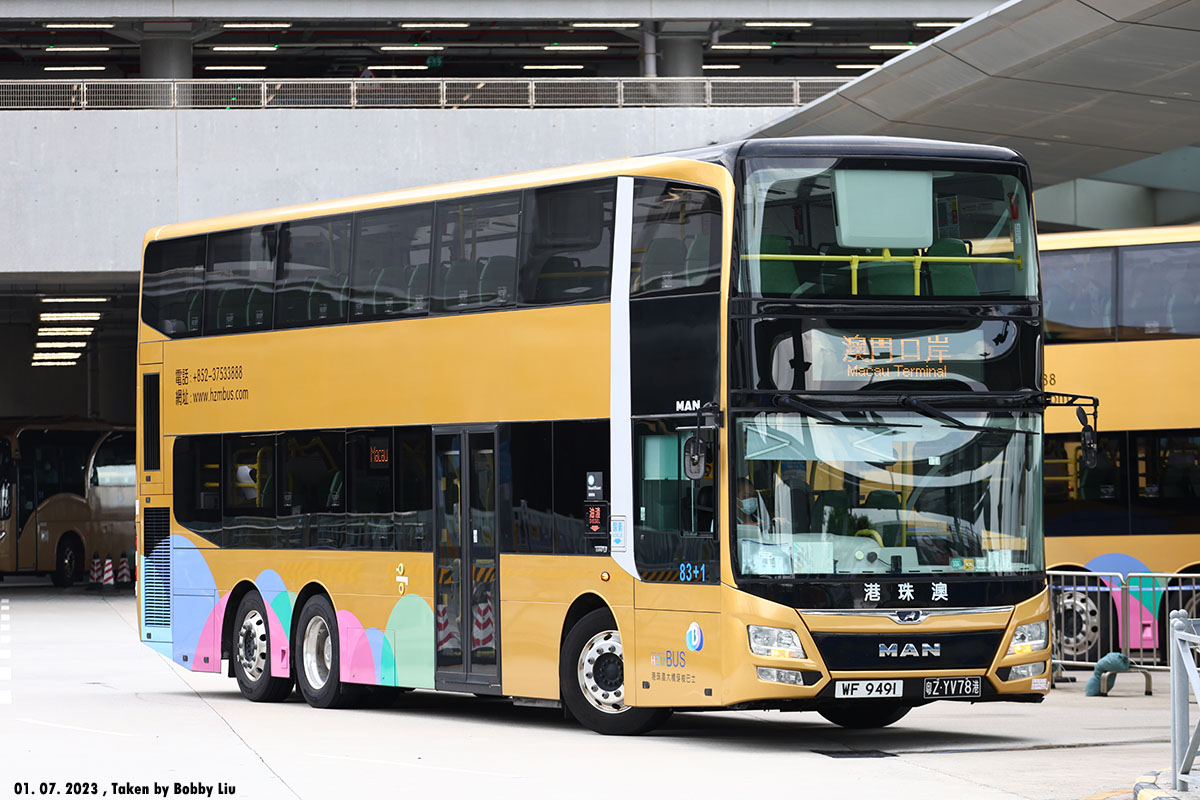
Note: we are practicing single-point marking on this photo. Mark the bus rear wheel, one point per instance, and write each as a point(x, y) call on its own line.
point(66, 562)
point(251, 654)
point(591, 674)
point(866, 714)
point(318, 665)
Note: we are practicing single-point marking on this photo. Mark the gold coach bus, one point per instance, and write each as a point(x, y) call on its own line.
point(67, 494)
point(754, 426)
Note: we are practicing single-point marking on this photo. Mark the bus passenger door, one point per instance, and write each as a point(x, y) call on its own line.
point(26, 515)
point(467, 560)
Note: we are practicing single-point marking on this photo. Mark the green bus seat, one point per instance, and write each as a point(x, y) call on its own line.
point(497, 281)
point(390, 294)
point(953, 279)
point(663, 265)
point(460, 284)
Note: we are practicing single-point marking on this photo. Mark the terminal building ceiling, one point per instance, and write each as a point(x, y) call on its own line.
point(733, 42)
point(1102, 97)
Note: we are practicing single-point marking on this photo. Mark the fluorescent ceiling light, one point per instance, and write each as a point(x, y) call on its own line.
point(893, 46)
point(434, 25)
point(720, 66)
point(399, 66)
point(74, 299)
point(857, 66)
point(54, 356)
point(65, 331)
point(580, 48)
point(74, 69)
point(54, 48)
point(741, 47)
point(69, 316)
point(606, 24)
point(49, 345)
point(54, 363)
point(245, 48)
point(401, 48)
point(234, 69)
point(269, 25)
point(937, 24)
point(553, 66)
point(772, 24)
point(79, 26)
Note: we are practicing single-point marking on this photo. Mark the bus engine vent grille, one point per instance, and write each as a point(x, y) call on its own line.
point(156, 594)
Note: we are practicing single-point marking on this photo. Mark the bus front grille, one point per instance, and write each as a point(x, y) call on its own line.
point(931, 650)
point(156, 585)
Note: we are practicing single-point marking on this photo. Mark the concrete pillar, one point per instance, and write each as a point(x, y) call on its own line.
point(681, 57)
point(166, 58)
point(649, 51)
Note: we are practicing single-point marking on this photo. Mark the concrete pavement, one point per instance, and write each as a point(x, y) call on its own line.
point(88, 703)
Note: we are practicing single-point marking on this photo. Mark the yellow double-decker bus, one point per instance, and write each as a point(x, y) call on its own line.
point(67, 496)
point(1123, 323)
point(755, 426)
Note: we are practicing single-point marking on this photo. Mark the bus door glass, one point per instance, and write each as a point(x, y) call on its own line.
point(7, 498)
point(468, 607)
point(26, 510)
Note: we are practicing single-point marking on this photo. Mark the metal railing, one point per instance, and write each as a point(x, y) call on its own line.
point(413, 93)
point(1185, 646)
point(1096, 613)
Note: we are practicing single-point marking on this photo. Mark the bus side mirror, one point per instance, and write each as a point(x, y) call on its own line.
point(695, 457)
point(5, 499)
point(1087, 437)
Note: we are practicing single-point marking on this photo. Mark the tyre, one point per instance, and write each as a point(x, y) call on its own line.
point(67, 561)
point(865, 714)
point(318, 665)
point(1082, 620)
point(251, 650)
point(591, 675)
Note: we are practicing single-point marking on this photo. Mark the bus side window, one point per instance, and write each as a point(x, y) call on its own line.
point(250, 490)
point(676, 239)
point(389, 276)
point(197, 479)
point(566, 243)
point(1081, 500)
point(311, 488)
point(370, 459)
point(528, 462)
point(414, 488)
point(476, 252)
point(173, 286)
point(114, 462)
point(314, 272)
point(239, 282)
point(580, 447)
point(675, 518)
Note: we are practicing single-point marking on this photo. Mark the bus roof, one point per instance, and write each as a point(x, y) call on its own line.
point(724, 155)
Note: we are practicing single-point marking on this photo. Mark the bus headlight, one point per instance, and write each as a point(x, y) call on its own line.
point(775, 642)
point(1027, 670)
point(1029, 638)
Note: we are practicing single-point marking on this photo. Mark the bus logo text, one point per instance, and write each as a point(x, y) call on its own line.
point(894, 650)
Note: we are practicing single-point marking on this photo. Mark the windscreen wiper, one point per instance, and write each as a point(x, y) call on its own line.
point(787, 401)
point(920, 406)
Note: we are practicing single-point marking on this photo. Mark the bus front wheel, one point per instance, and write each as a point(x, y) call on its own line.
point(591, 673)
point(318, 665)
point(865, 714)
point(66, 562)
point(251, 654)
